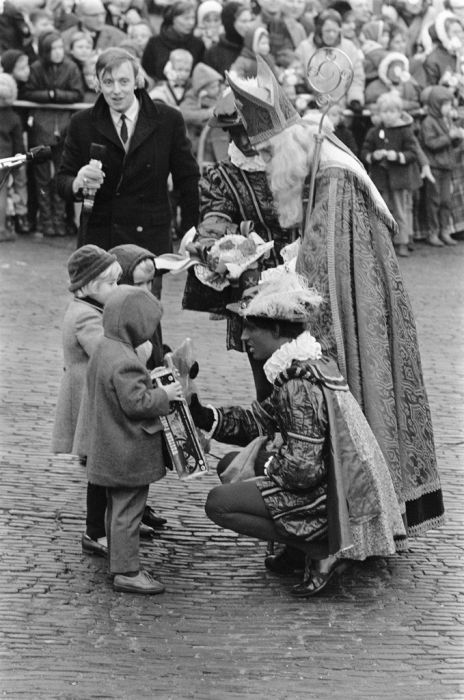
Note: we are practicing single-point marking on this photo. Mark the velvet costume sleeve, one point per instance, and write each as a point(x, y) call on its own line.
point(215, 198)
point(299, 464)
point(185, 173)
point(239, 426)
point(136, 398)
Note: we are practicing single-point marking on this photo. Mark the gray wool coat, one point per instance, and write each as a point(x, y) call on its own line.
point(124, 442)
point(82, 331)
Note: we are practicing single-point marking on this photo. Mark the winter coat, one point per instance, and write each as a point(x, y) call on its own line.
point(356, 90)
point(11, 133)
point(132, 206)
point(285, 35)
point(158, 49)
point(408, 91)
point(125, 440)
point(391, 175)
point(196, 107)
point(163, 92)
point(14, 29)
point(222, 55)
point(437, 63)
point(246, 66)
point(82, 331)
point(64, 79)
point(434, 135)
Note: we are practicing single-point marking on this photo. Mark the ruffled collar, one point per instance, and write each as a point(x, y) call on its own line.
point(240, 160)
point(305, 347)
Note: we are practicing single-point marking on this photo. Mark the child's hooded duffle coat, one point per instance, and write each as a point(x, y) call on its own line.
point(125, 438)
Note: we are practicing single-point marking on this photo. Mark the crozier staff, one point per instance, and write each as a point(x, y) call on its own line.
point(145, 143)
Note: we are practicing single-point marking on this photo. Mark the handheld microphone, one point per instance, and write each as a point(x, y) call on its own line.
point(38, 154)
point(97, 153)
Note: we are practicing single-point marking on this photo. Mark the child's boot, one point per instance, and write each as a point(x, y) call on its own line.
point(435, 241)
point(446, 238)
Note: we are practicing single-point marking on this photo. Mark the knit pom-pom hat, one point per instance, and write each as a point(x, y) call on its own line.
point(86, 264)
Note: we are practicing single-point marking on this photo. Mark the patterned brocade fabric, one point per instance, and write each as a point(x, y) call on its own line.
point(368, 327)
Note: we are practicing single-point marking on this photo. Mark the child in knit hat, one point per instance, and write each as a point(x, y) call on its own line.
point(93, 275)
point(256, 41)
point(177, 70)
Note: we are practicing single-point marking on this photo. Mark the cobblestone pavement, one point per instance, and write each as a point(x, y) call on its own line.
point(225, 628)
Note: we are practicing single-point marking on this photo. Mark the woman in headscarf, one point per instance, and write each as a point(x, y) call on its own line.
point(236, 19)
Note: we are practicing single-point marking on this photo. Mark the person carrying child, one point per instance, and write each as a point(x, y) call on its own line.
point(125, 441)
point(389, 150)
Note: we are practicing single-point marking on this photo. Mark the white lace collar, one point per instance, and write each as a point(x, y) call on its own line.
point(305, 347)
point(249, 164)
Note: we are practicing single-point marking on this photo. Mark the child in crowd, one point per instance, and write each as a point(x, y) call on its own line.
point(40, 21)
point(139, 270)
point(80, 50)
point(199, 102)
point(53, 79)
point(255, 41)
point(438, 137)
point(90, 79)
point(139, 33)
point(93, 276)
point(11, 142)
point(374, 38)
point(125, 444)
point(209, 24)
point(177, 70)
point(389, 150)
point(393, 74)
point(16, 64)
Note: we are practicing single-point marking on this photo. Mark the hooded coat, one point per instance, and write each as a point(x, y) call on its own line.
point(125, 439)
point(246, 66)
point(223, 54)
point(435, 139)
point(409, 90)
point(59, 83)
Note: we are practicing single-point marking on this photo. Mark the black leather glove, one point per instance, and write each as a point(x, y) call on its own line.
point(356, 106)
point(203, 417)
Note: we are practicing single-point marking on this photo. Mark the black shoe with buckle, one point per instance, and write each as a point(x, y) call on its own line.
point(90, 546)
point(151, 519)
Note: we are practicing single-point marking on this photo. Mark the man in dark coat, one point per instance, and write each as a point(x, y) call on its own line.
point(144, 143)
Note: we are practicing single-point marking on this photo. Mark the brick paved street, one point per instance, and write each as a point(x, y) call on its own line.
point(225, 628)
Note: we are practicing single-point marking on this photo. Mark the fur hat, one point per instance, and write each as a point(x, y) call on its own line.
point(387, 61)
point(205, 8)
point(10, 58)
point(86, 263)
point(281, 295)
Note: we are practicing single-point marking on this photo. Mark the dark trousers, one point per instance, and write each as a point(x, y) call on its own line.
point(438, 201)
point(96, 508)
point(241, 508)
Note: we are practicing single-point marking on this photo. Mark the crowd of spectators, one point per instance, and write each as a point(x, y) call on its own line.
point(407, 60)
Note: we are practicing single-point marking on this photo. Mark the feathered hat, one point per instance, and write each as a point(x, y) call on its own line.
point(263, 106)
point(281, 295)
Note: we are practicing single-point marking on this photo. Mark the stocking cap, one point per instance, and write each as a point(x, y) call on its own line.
point(263, 106)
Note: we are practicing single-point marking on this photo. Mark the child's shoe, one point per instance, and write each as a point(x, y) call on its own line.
point(435, 241)
point(446, 238)
point(402, 250)
point(143, 582)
